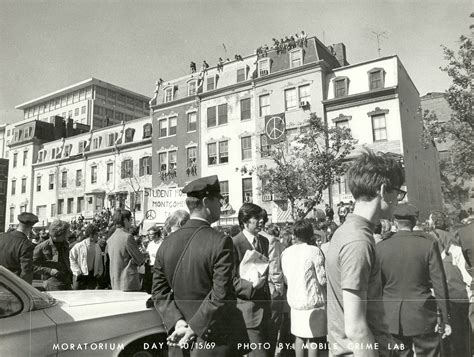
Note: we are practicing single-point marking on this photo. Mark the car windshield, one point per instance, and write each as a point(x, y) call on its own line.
point(39, 300)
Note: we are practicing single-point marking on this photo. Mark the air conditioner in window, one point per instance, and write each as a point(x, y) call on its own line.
point(304, 104)
point(264, 72)
point(266, 197)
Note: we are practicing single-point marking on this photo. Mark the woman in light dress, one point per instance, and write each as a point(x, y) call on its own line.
point(303, 268)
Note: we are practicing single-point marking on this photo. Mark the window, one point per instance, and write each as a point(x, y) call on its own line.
point(12, 214)
point(23, 185)
point(97, 142)
point(163, 128)
point(70, 203)
point(15, 159)
point(379, 127)
point(246, 143)
point(264, 104)
point(64, 179)
point(296, 58)
point(145, 166)
point(247, 190)
point(241, 75)
point(25, 157)
point(162, 161)
point(264, 67)
point(265, 147)
point(191, 156)
point(129, 133)
point(211, 117)
point(212, 154)
point(225, 190)
point(94, 174)
point(22, 208)
point(10, 303)
point(69, 114)
point(67, 150)
point(81, 146)
point(147, 131)
point(341, 87)
point(83, 110)
point(290, 99)
point(223, 152)
point(172, 125)
point(342, 124)
point(127, 168)
point(304, 94)
point(168, 94)
point(211, 83)
point(80, 204)
point(78, 177)
point(192, 88)
point(172, 159)
point(53, 210)
point(13, 187)
point(38, 183)
point(192, 121)
point(222, 113)
point(376, 78)
point(245, 109)
point(110, 171)
point(112, 139)
point(61, 206)
point(51, 182)
point(76, 112)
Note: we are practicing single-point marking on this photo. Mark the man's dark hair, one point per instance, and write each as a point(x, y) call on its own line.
point(440, 220)
point(120, 215)
point(303, 231)
point(91, 230)
point(370, 170)
point(234, 230)
point(247, 211)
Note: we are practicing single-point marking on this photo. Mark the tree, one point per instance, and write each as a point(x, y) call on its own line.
point(458, 130)
point(302, 170)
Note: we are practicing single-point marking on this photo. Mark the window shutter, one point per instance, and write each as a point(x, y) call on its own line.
point(141, 173)
point(122, 174)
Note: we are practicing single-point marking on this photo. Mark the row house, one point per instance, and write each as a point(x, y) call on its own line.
point(91, 102)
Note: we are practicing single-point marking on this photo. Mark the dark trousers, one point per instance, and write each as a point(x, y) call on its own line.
point(427, 345)
point(458, 342)
point(259, 336)
point(83, 282)
point(274, 325)
point(148, 279)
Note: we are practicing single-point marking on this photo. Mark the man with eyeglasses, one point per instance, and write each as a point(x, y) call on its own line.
point(410, 308)
point(356, 323)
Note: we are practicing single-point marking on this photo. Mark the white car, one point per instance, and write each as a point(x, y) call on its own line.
point(76, 323)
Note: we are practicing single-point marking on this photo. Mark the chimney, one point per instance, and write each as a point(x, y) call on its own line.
point(59, 129)
point(339, 50)
point(69, 128)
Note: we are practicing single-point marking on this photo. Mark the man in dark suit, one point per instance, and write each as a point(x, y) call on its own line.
point(16, 251)
point(253, 298)
point(192, 282)
point(411, 266)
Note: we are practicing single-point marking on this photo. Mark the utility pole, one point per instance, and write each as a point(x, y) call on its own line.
point(379, 35)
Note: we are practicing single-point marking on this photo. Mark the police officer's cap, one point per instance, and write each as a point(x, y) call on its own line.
point(405, 210)
point(27, 218)
point(203, 187)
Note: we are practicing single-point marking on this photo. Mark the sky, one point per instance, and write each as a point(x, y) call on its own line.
point(48, 45)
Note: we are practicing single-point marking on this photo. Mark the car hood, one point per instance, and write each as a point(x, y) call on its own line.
point(95, 297)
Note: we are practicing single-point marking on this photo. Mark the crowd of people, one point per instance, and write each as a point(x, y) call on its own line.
point(376, 283)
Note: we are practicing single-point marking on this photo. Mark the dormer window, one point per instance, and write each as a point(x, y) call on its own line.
point(147, 131)
point(241, 75)
point(211, 83)
point(341, 87)
point(67, 150)
point(192, 88)
point(168, 94)
point(376, 78)
point(264, 67)
point(296, 57)
point(129, 133)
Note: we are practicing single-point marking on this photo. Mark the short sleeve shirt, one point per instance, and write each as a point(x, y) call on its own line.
point(351, 264)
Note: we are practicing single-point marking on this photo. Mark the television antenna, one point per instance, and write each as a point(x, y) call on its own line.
point(379, 35)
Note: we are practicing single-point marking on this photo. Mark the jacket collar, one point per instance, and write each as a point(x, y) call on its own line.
point(194, 223)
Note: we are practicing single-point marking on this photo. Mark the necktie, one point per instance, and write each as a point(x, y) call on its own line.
point(256, 246)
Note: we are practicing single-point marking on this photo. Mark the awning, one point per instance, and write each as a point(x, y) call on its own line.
point(96, 192)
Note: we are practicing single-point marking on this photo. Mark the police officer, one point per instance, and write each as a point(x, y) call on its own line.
point(16, 251)
point(192, 282)
point(411, 266)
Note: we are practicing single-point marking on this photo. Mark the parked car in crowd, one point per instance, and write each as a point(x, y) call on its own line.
point(70, 323)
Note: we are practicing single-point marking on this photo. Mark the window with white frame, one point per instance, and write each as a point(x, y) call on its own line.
point(222, 114)
point(304, 95)
point(246, 143)
point(38, 183)
point(342, 124)
point(15, 159)
point(127, 168)
point(212, 154)
point(247, 190)
point(64, 179)
point(25, 157)
point(163, 127)
point(376, 78)
point(245, 109)
point(379, 127)
point(241, 75)
point(172, 160)
point(78, 178)
point(265, 146)
point(96, 142)
point(12, 214)
point(264, 67)
point(211, 83)
point(211, 117)
point(110, 171)
point(70, 203)
point(224, 185)
point(341, 87)
point(192, 122)
point(172, 126)
point(23, 185)
point(94, 174)
point(112, 138)
point(291, 99)
point(129, 133)
point(191, 156)
point(296, 57)
point(163, 161)
point(147, 131)
point(223, 152)
point(192, 88)
point(145, 166)
point(264, 104)
point(168, 94)
point(51, 182)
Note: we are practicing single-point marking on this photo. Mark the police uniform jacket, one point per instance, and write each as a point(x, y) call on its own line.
point(16, 254)
point(202, 293)
point(410, 266)
point(254, 303)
